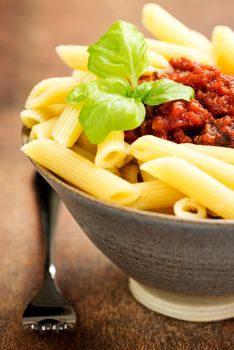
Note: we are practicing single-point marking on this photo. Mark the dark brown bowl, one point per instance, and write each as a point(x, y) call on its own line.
point(159, 250)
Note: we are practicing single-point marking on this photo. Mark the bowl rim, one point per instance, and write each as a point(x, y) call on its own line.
point(117, 207)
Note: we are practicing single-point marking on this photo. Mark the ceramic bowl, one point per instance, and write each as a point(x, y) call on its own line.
point(158, 250)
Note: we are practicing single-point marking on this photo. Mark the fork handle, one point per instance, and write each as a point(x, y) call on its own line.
point(48, 204)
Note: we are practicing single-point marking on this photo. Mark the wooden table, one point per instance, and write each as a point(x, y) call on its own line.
point(108, 317)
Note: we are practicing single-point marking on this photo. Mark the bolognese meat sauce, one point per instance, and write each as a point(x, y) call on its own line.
point(208, 119)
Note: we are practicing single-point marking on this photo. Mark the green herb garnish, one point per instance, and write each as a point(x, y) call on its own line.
point(154, 93)
point(120, 52)
point(116, 102)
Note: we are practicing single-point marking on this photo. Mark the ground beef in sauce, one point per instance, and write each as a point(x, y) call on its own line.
point(208, 119)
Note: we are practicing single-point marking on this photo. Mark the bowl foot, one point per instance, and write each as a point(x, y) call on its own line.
point(183, 307)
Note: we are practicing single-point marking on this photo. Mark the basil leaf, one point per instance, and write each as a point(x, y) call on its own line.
point(166, 90)
point(87, 89)
point(143, 90)
point(121, 52)
point(104, 113)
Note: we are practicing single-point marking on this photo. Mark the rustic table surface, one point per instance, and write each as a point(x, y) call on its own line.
point(108, 317)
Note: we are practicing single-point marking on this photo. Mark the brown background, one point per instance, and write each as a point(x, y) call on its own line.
point(108, 317)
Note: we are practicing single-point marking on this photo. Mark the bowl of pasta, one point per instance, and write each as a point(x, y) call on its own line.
point(138, 143)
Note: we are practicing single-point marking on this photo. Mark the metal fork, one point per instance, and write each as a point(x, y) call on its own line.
point(48, 310)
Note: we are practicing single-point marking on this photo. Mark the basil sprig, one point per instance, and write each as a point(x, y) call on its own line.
point(116, 102)
point(154, 93)
point(120, 52)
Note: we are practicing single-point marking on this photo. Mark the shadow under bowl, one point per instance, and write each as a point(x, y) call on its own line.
point(158, 250)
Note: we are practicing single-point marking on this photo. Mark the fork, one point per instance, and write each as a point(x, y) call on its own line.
point(48, 310)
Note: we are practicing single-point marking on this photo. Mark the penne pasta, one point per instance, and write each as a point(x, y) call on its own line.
point(223, 153)
point(195, 183)
point(167, 28)
point(43, 130)
point(83, 152)
point(51, 91)
point(55, 110)
point(150, 147)
point(31, 117)
point(158, 61)
point(84, 76)
point(223, 48)
point(156, 194)
point(84, 143)
point(80, 172)
point(75, 56)
point(115, 171)
point(111, 151)
point(67, 128)
point(145, 176)
point(130, 172)
point(188, 208)
point(169, 50)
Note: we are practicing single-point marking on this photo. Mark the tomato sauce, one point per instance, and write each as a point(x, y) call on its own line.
point(208, 119)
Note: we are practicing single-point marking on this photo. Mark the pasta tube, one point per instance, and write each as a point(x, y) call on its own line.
point(223, 47)
point(193, 182)
point(51, 91)
point(83, 75)
point(30, 117)
point(158, 61)
point(169, 50)
point(83, 152)
point(130, 172)
point(188, 208)
point(76, 57)
point(167, 28)
point(43, 130)
point(150, 147)
point(84, 143)
point(67, 128)
point(80, 172)
point(145, 176)
point(156, 194)
point(111, 150)
point(223, 153)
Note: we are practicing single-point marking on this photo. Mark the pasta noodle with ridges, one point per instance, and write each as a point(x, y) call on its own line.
point(67, 128)
point(193, 182)
point(31, 117)
point(130, 172)
point(111, 150)
point(155, 195)
point(145, 176)
point(51, 91)
point(42, 130)
point(223, 48)
point(169, 51)
point(188, 208)
point(80, 172)
point(223, 153)
point(76, 57)
point(84, 143)
point(83, 152)
point(167, 28)
point(150, 147)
